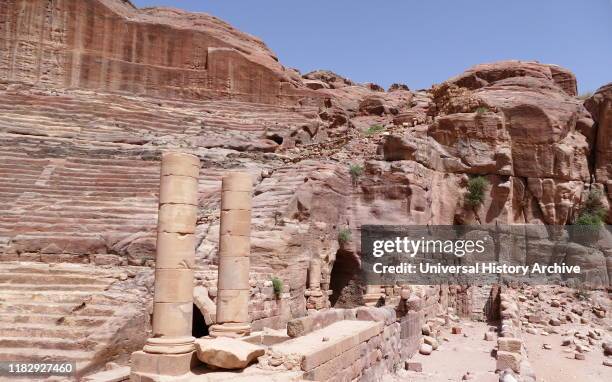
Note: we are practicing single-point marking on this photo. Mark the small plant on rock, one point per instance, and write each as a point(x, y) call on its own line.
point(593, 212)
point(476, 188)
point(374, 129)
point(344, 236)
point(481, 110)
point(356, 171)
point(277, 284)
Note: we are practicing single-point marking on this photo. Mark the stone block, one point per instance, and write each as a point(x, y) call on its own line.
point(232, 306)
point(234, 246)
point(178, 218)
point(172, 319)
point(180, 164)
point(327, 370)
point(236, 223)
point(299, 326)
point(235, 200)
point(366, 313)
point(334, 349)
point(513, 345)
point(413, 366)
point(163, 364)
point(179, 190)
point(237, 181)
point(234, 273)
point(175, 250)
point(508, 360)
point(227, 353)
point(173, 285)
point(107, 259)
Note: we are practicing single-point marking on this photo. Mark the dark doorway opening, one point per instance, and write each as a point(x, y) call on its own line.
point(345, 281)
point(199, 327)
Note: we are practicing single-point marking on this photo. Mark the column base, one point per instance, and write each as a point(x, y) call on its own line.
point(230, 329)
point(169, 345)
point(146, 366)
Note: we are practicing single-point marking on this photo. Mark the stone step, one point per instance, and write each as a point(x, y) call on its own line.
point(69, 297)
point(97, 300)
point(45, 342)
point(5, 286)
point(10, 329)
point(47, 308)
point(52, 319)
point(53, 279)
point(62, 268)
point(34, 354)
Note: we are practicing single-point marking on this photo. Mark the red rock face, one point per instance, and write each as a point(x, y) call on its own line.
point(600, 106)
point(519, 120)
point(108, 45)
point(93, 91)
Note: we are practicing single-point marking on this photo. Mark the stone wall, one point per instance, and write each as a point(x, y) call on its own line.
point(511, 354)
point(365, 357)
point(266, 308)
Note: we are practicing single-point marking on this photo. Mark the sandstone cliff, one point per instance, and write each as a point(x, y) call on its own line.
point(109, 45)
point(92, 91)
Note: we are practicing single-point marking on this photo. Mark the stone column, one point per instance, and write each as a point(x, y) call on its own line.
point(171, 351)
point(233, 289)
point(314, 274)
point(178, 210)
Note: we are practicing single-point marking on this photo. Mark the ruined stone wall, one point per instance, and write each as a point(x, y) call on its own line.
point(266, 307)
point(368, 356)
point(511, 354)
point(108, 45)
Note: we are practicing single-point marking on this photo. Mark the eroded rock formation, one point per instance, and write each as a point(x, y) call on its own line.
point(93, 91)
point(108, 45)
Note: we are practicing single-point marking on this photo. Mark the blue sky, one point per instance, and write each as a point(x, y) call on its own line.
point(426, 41)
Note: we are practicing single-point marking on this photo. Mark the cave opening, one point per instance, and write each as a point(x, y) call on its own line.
point(345, 281)
point(199, 327)
point(276, 138)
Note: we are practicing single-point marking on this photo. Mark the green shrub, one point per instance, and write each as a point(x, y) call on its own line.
point(356, 171)
point(277, 284)
point(482, 110)
point(588, 219)
point(344, 235)
point(593, 212)
point(374, 129)
point(476, 188)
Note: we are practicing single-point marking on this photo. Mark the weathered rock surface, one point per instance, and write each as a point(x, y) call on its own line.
point(600, 106)
point(227, 353)
point(92, 91)
point(109, 45)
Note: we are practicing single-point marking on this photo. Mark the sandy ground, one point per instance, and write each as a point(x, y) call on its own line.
point(556, 365)
point(461, 354)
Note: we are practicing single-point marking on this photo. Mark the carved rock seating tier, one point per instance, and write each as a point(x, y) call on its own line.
point(234, 249)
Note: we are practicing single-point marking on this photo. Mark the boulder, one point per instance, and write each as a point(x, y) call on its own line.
point(227, 353)
point(425, 349)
